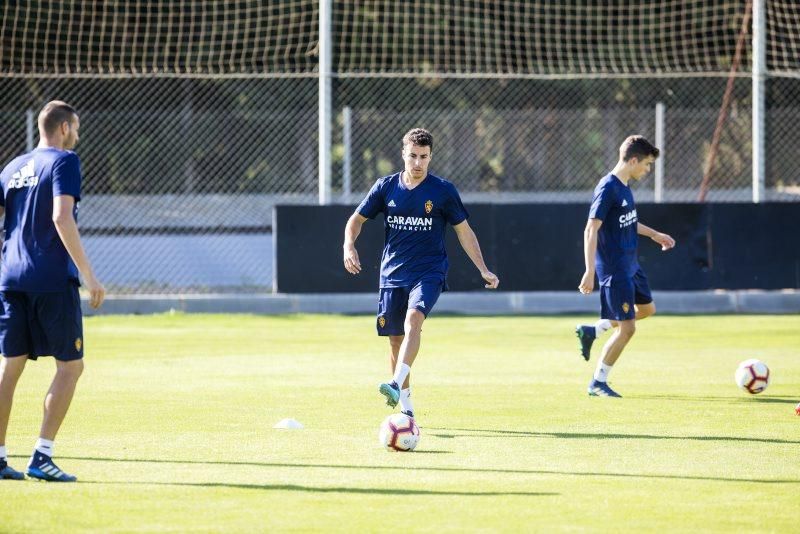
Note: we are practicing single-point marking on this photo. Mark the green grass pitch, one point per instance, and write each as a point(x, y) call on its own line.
point(171, 429)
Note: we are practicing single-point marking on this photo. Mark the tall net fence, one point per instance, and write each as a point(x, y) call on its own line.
point(199, 116)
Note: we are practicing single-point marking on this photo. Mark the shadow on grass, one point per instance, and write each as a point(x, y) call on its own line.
point(429, 468)
point(494, 433)
point(738, 399)
point(316, 489)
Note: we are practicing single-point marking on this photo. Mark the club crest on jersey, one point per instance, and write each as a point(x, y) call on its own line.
point(381, 321)
point(428, 206)
point(78, 344)
point(625, 307)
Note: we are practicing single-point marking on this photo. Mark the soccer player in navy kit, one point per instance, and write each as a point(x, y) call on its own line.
point(610, 241)
point(417, 207)
point(42, 256)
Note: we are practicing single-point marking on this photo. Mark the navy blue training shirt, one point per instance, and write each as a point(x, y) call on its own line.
point(617, 239)
point(34, 258)
point(414, 222)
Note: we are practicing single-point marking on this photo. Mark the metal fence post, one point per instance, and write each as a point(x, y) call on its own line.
point(325, 69)
point(29, 129)
point(759, 73)
point(346, 162)
point(658, 193)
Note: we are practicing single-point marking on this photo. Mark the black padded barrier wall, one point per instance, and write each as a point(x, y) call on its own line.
point(539, 247)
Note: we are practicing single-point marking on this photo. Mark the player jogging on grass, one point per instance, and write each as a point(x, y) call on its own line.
point(40, 309)
point(609, 246)
point(417, 206)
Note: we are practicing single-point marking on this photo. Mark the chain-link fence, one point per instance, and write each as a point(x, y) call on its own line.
point(180, 175)
point(537, 141)
point(197, 119)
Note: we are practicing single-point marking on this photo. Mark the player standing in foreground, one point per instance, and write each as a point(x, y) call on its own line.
point(42, 255)
point(417, 206)
point(610, 241)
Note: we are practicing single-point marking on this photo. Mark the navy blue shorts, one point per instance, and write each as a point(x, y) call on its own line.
point(42, 324)
point(618, 299)
point(395, 302)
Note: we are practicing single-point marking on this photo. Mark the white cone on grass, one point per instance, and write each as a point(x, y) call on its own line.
point(289, 424)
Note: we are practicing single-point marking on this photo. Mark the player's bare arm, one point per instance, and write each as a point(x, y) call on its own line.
point(666, 241)
point(589, 248)
point(351, 232)
point(68, 231)
point(469, 242)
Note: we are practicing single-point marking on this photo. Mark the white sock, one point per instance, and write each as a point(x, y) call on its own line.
point(405, 400)
point(602, 371)
point(3, 455)
point(45, 446)
point(601, 326)
point(401, 373)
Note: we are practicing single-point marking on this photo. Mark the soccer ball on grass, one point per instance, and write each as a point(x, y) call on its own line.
point(752, 376)
point(399, 432)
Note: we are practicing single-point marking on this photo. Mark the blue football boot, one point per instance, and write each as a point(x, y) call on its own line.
point(9, 473)
point(586, 335)
point(392, 393)
point(42, 467)
point(601, 389)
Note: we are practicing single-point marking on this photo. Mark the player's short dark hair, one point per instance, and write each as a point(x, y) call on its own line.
point(636, 146)
point(54, 114)
point(418, 137)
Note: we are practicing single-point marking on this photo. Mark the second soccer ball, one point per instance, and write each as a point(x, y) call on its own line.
point(752, 376)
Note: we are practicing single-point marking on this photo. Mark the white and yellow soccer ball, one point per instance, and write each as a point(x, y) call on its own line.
point(399, 432)
point(752, 376)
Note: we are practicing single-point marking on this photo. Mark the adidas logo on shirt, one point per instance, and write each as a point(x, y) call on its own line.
point(421, 304)
point(392, 204)
point(624, 202)
point(24, 177)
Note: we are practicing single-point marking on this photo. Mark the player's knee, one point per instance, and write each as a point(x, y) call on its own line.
point(11, 368)
point(395, 342)
point(414, 320)
point(71, 370)
point(627, 329)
